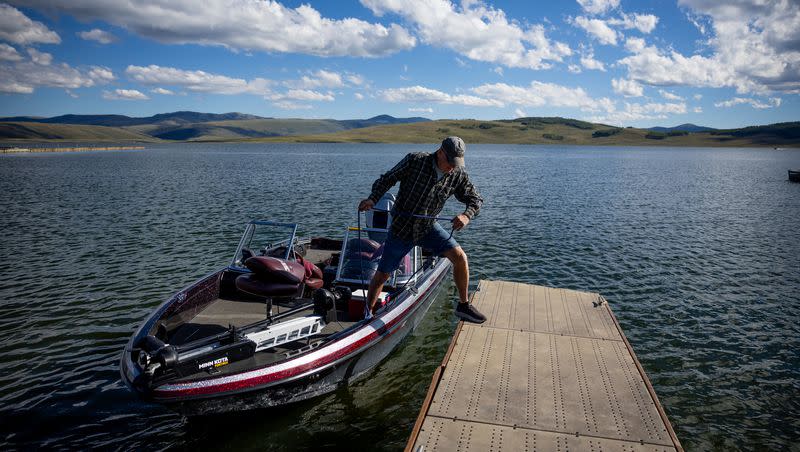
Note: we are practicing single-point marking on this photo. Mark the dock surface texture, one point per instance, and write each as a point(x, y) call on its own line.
point(549, 370)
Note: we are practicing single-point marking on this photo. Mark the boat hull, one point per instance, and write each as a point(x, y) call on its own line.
point(334, 365)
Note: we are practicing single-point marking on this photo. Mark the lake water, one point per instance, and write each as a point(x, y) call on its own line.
point(696, 250)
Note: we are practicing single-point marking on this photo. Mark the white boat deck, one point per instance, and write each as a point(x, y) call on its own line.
point(549, 370)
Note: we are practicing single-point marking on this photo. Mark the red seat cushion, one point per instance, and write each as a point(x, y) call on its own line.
point(259, 287)
point(276, 270)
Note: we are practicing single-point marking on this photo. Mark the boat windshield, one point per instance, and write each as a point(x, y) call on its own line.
point(360, 257)
point(265, 238)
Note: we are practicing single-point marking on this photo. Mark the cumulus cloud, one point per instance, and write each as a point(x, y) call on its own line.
point(25, 76)
point(476, 31)
point(18, 28)
point(421, 110)
point(124, 94)
point(645, 23)
point(498, 70)
point(598, 6)
point(197, 81)
point(669, 95)
point(574, 69)
point(627, 88)
point(355, 79)
point(8, 53)
point(318, 79)
point(640, 111)
point(598, 29)
point(96, 34)
point(773, 102)
point(589, 62)
point(240, 24)
point(38, 57)
point(358, 96)
point(289, 105)
point(539, 94)
point(754, 49)
point(420, 94)
point(303, 95)
point(162, 91)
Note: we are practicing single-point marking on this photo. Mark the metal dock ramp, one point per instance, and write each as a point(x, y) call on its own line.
point(549, 370)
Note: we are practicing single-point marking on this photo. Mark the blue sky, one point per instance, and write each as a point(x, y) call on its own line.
point(630, 63)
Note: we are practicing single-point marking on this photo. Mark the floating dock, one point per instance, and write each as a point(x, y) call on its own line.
point(549, 370)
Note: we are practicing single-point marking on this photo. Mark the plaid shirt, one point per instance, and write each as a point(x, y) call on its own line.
point(422, 194)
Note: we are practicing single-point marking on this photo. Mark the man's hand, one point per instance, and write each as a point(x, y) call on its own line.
point(460, 221)
point(366, 204)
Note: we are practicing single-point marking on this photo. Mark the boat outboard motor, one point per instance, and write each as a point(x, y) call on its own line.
point(151, 355)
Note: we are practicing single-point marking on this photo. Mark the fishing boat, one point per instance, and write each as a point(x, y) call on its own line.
point(283, 322)
point(794, 176)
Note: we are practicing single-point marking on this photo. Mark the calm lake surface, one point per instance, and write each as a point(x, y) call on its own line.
point(696, 250)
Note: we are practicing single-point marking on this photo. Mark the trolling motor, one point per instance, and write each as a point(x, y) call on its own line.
point(325, 300)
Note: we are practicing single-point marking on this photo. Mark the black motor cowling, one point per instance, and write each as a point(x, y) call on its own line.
point(325, 300)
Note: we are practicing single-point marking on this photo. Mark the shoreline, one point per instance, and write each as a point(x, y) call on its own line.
point(22, 150)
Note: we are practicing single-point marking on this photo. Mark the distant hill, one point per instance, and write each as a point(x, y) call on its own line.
point(194, 126)
point(558, 131)
point(691, 128)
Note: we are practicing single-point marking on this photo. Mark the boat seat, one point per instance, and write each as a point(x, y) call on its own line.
point(273, 277)
point(253, 285)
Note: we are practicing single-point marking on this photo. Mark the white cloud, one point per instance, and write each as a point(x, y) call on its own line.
point(574, 68)
point(16, 27)
point(358, 96)
point(355, 79)
point(318, 79)
point(420, 94)
point(598, 6)
point(519, 113)
point(645, 23)
point(124, 94)
point(421, 110)
point(637, 112)
point(26, 76)
point(476, 31)
point(697, 109)
point(539, 94)
point(628, 88)
point(754, 49)
point(303, 95)
point(42, 58)
point(461, 63)
point(101, 74)
point(669, 95)
point(498, 70)
point(598, 29)
point(197, 81)
point(162, 91)
point(8, 53)
point(240, 24)
point(697, 96)
point(96, 34)
point(772, 102)
point(589, 62)
point(289, 105)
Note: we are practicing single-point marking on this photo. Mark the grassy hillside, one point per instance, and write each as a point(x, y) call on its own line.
point(518, 131)
point(71, 132)
point(552, 131)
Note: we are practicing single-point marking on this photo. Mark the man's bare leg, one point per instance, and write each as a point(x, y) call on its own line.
point(375, 288)
point(460, 271)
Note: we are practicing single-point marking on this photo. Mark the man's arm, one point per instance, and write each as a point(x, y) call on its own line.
point(388, 179)
point(467, 194)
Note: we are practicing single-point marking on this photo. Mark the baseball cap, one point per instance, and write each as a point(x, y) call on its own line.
point(454, 148)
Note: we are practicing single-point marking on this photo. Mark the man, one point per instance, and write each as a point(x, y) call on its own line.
point(426, 182)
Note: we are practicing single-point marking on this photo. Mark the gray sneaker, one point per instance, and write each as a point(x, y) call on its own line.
point(468, 312)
